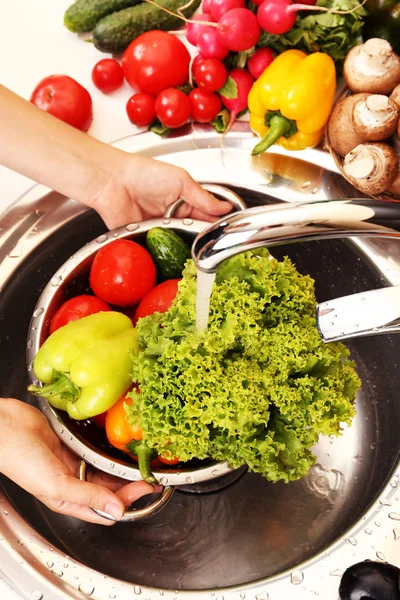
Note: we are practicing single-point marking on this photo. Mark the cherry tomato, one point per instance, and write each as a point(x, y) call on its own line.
point(140, 110)
point(66, 99)
point(122, 273)
point(76, 308)
point(119, 432)
point(210, 74)
point(100, 420)
point(159, 299)
point(107, 75)
point(205, 105)
point(169, 460)
point(155, 61)
point(172, 108)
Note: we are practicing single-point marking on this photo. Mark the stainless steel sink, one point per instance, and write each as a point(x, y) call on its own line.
point(249, 539)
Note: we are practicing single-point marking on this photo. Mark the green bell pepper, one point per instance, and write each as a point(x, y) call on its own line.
point(86, 364)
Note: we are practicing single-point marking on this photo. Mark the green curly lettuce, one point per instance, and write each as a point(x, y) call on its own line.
point(258, 387)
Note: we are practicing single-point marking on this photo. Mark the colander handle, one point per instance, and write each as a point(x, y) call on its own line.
point(218, 190)
point(139, 513)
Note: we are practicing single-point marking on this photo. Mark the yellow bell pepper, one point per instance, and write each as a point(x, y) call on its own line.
point(291, 101)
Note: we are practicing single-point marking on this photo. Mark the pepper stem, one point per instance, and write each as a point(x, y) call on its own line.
point(61, 385)
point(144, 455)
point(279, 125)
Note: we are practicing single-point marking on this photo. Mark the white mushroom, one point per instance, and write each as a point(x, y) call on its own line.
point(372, 168)
point(372, 67)
point(375, 118)
point(342, 135)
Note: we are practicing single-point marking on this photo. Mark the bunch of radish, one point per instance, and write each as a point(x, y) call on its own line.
point(226, 26)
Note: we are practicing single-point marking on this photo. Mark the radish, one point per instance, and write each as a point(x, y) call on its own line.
point(239, 29)
point(276, 17)
point(244, 82)
point(209, 44)
point(259, 61)
point(193, 29)
point(217, 8)
point(279, 16)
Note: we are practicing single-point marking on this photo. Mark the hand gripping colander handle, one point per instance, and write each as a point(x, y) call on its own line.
point(135, 514)
point(218, 190)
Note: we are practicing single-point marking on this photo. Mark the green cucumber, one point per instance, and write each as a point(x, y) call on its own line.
point(168, 251)
point(115, 32)
point(83, 15)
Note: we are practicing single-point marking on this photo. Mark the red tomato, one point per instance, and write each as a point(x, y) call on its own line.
point(155, 61)
point(159, 299)
point(122, 273)
point(100, 420)
point(169, 460)
point(205, 105)
point(66, 99)
point(210, 74)
point(140, 110)
point(107, 75)
point(172, 108)
point(76, 308)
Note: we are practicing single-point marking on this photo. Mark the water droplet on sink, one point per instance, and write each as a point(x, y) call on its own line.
point(112, 465)
point(56, 280)
point(394, 516)
point(20, 542)
point(215, 472)
point(356, 324)
point(50, 564)
point(187, 221)
point(101, 239)
point(161, 592)
point(381, 556)
point(296, 577)
point(132, 227)
point(86, 588)
point(57, 572)
point(356, 459)
point(336, 573)
point(39, 311)
point(5, 512)
point(29, 345)
point(243, 596)
point(16, 252)
point(373, 446)
point(362, 299)
point(260, 596)
point(36, 595)
point(305, 185)
point(189, 480)
point(163, 480)
point(112, 596)
point(137, 590)
point(115, 235)
point(368, 531)
point(219, 598)
point(393, 483)
point(352, 541)
point(66, 565)
point(396, 534)
point(385, 502)
point(377, 524)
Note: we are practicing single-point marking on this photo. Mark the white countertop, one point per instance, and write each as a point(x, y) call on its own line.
point(34, 44)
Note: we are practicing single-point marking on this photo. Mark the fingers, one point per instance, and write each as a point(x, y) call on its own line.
point(133, 491)
point(67, 490)
point(197, 197)
point(84, 513)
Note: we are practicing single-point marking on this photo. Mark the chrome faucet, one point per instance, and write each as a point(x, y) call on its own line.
point(371, 313)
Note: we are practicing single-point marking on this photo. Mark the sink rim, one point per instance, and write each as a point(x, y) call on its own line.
point(35, 555)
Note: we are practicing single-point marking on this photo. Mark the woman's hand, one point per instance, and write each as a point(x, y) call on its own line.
point(122, 187)
point(32, 456)
point(141, 188)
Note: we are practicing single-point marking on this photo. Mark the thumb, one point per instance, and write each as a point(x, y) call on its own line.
point(197, 197)
point(95, 496)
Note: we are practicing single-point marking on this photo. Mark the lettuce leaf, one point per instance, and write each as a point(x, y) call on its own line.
point(258, 387)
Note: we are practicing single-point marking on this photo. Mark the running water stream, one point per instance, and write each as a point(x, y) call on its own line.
point(205, 283)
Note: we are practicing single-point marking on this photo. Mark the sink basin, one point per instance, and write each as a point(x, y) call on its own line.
point(252, 538)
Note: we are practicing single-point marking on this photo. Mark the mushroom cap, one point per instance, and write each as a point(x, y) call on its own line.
point(372, 168)
point(395, 187)
point(372, 67)
point(395, 95)
point(342, 135)
point(375, 118)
